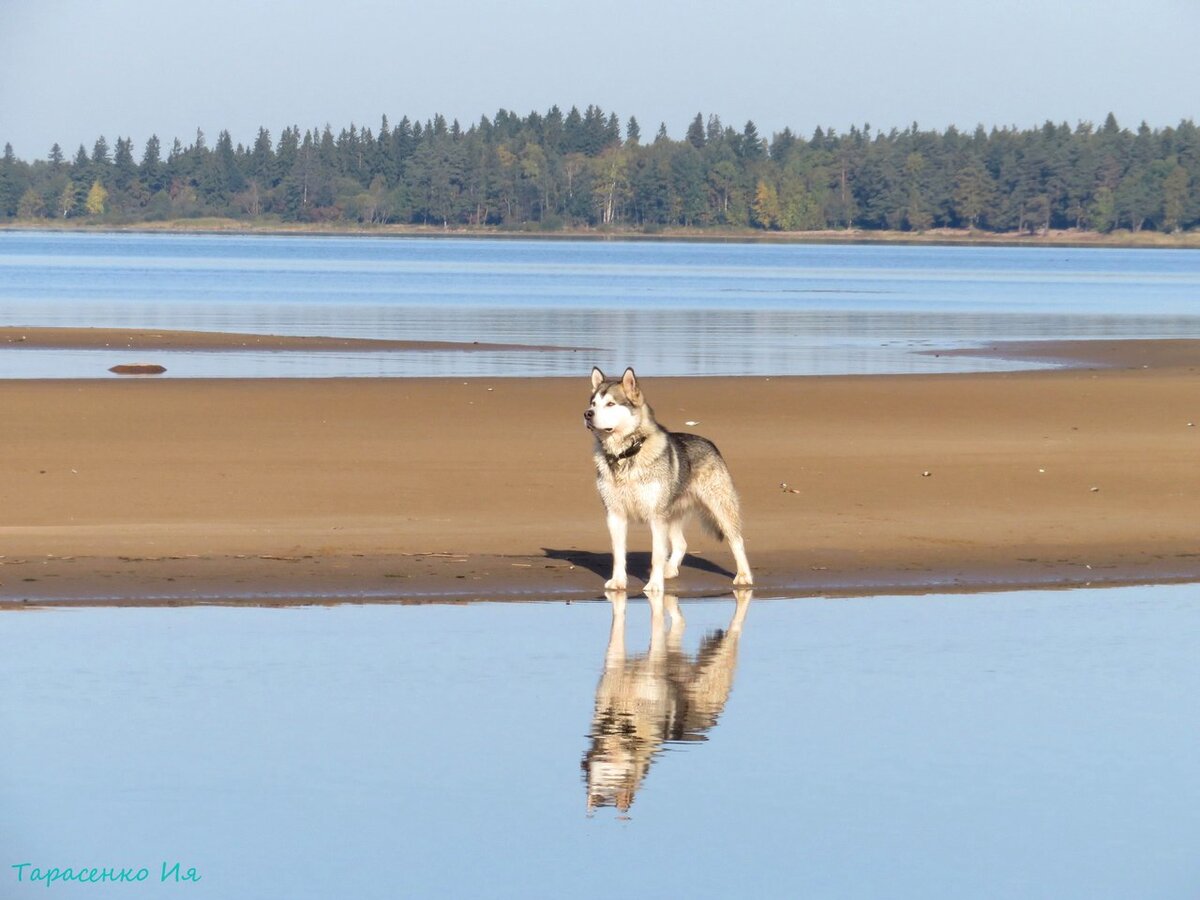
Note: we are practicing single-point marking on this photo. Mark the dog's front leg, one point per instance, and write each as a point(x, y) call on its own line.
point(618, 526)
point(659, 534)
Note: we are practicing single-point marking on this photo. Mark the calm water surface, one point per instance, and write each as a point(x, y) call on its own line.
point(667, 308)
point(1032, 744)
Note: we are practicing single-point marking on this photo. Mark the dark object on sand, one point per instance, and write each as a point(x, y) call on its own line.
point(138, 369)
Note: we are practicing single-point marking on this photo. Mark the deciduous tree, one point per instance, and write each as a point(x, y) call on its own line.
point(764, 210)
point(97, 199)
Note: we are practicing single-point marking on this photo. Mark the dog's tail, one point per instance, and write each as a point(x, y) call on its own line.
point(705, 517)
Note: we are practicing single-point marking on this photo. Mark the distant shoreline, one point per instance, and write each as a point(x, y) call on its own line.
point(936, 237)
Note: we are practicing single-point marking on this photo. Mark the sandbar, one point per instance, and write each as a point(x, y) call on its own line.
point(223, 341)
point(444, 489)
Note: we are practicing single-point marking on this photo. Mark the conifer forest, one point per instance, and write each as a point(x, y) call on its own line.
point(591, 170)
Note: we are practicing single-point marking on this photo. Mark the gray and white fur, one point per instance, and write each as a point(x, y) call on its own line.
point(648, 474)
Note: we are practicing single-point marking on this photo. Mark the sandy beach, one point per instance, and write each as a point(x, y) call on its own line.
point(161, 490)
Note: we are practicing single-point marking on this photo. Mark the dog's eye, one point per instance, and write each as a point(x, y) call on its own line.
point(610, 403)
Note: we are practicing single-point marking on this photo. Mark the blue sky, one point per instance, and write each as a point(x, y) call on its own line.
point(71, 70)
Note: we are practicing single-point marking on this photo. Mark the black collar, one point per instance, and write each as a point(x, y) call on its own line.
point(630, 451)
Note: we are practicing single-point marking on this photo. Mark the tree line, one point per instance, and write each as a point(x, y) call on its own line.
point(585, 170)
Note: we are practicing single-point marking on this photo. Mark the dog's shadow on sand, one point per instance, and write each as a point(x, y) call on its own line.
point(638, 564)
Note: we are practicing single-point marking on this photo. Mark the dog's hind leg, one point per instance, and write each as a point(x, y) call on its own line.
point(659, 537)
point(618, 526)
point(743, 576)
point(678, 549)
point(723, 507)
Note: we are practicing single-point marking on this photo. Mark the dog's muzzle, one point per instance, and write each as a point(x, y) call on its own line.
point(588, 415)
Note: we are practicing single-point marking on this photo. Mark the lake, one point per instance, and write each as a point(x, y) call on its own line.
point(668, 308)
point(1023, 744)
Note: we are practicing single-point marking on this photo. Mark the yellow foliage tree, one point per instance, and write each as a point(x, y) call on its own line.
point(97, 199)
point(764, 211)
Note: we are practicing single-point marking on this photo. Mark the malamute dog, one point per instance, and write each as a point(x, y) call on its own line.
point(648, 474)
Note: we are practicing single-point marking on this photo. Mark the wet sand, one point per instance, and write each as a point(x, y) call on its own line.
point(416, 489)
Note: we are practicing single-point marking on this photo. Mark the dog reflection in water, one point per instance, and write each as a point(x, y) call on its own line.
point(645, 701)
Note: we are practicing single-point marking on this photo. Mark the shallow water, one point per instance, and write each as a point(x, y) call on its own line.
point(667, 308)
point(1027, 744)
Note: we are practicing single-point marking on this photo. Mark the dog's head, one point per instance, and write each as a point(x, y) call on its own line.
point(616, 405)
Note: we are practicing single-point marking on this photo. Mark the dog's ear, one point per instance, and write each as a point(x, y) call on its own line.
point(629, 384)
point(597, 377)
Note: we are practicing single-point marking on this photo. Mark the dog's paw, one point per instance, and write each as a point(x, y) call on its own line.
point(671, 572)
point(615, 584)
point(743, 578)
point(654, 586)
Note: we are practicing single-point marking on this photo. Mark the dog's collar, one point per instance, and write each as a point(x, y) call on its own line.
point(630, 451)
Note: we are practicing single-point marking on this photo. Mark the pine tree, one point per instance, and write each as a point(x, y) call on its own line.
point(124, 169)
point(612, 131)
point(573, 138)
point(751, 146)
point(261, 164)
point(151, 168)
point(1175, 194)
point(12, 184)
point(633, 133)
point(972, 193)
point(100, 152)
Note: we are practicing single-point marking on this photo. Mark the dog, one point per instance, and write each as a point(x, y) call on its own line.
point(648, 474)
